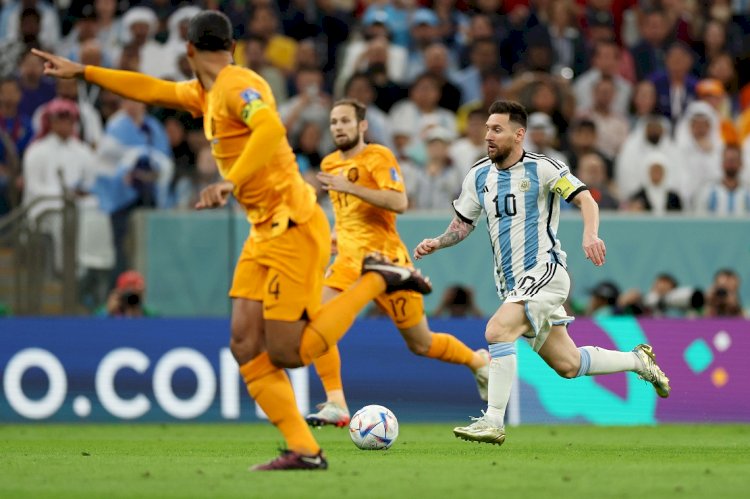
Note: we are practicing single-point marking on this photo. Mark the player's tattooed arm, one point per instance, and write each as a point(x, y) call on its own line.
point(455, 233)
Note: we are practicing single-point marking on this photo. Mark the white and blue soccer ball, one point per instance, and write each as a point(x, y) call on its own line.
point(373, 427)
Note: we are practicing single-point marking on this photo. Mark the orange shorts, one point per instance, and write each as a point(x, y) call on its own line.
point(286, 272)
point(405, 308)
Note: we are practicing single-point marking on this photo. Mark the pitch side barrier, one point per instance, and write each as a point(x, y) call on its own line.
point(107, 370)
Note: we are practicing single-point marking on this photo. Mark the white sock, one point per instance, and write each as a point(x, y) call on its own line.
point(595, 360)
point(502, 372)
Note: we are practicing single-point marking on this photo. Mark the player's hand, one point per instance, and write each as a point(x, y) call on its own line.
point(426, 247)
point(337, 183)
point(59, 67)
point(215, 195)
point(594, 249)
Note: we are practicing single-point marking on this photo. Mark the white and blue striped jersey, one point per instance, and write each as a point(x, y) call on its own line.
point(522, 205)
point(718, 200)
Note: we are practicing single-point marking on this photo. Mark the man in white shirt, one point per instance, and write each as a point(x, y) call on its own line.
point(606, 62)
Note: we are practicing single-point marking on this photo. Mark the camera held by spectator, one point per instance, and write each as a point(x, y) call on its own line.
point(722, 298)
point(666, 295)
point(127, 299)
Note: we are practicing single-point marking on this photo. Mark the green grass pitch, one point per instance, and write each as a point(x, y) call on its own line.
point(211, 461)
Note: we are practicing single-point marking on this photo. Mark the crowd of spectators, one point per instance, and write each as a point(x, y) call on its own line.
point(644, 99)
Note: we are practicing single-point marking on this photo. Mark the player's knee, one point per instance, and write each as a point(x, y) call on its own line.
point(243, 346)
point(567, 370)
point(502, 331)
point(418, 347)
point(286, 359)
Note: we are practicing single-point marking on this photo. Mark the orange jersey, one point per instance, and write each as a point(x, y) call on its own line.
point(360, 226)
point(276, 193)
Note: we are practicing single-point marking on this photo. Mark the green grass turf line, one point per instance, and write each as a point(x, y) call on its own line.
point(211, 461)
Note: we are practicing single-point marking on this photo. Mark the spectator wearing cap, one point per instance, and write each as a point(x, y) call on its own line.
point(649, 54)
point(440, 181)
point(55, 163)
point(49, 21)
point(127, 299)
point(605, 63)
point(393, 16)
point(541, 135)
point(675, 85)
point(423, 32)
point(140, 26)
point(603, 300)
point(712, 91)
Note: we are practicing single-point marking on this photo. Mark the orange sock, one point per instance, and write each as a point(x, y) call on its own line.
point(448, 348)
point(328, 367)
point(336, 316)
point(272, 390)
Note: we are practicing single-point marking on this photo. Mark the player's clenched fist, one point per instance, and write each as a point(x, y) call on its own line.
point(426, 247)
point(215, 195)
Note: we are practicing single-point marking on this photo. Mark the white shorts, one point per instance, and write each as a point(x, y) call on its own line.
point(543, 290)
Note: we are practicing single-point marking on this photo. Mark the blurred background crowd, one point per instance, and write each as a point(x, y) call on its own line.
point(646, 100)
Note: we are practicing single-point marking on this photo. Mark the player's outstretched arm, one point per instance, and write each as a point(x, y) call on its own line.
point(593, 247)
point(456, 232)
point(128, 84)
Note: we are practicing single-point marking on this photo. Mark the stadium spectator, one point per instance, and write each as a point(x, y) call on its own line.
point(655, 195)
point(310, 104)
point(174, 48)
point(452, 23)
point(582, 140)
point(140, 26)
point(603, 300)
point(491, 90)
point(650, 134)
point(675, 85)
point(10, 170)
point(423, 33)
point(436, 64)
point(650, 52)
point(55, 164)
point(605, 63)
point(541, 135)
point(421, 109)
point(440, 180)
point(541, 93)
point(360, 88)
point(643, 102)
point(483, 62)
point(394, 15)
point(309, 155)
point(128, 298)
point(698, 148)
point(728, 197)
point(480, 28)
point(108, 29)
point(611, 126)
point(561, 34)
point(600, 28)
point(12, 15)
point(712, 91)
point(84, 29)
point(457, 302)
point(14, 123)
point(592, 171)
point(36, 89)
point(11, 49)
point(89, 125)
point(467, 150)
point(722, 297)
point(255, 59)
point(281, 50)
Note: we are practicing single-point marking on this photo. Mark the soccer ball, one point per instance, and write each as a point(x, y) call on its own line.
point(373, 427)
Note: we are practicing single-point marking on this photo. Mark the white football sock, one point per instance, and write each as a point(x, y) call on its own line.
point(595, 360)
point(502, 372)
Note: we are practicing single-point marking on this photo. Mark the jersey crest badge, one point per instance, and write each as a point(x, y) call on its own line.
point(524, 185)
point(249, 95)
point(394, 175)
point(352, 175)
